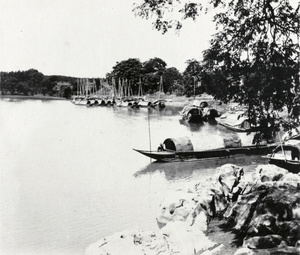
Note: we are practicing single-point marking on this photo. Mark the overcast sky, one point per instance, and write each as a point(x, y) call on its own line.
point(85, 38)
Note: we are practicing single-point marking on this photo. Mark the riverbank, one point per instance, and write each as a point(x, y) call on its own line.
point(227, 214)
point(171, 100)
point(35, 97)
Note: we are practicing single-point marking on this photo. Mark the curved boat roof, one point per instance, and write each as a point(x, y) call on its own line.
point(179, 144)
point(292, 142)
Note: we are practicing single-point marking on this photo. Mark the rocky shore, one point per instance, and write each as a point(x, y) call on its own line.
point(229, 213)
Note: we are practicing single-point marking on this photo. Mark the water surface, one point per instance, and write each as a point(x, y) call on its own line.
point(69, 176)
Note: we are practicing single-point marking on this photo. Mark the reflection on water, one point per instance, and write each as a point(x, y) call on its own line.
point(194, 127)
point(198, 168)
point(69, 176)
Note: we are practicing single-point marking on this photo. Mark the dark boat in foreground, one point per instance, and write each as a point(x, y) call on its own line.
point(181, 149)
point(287, 155)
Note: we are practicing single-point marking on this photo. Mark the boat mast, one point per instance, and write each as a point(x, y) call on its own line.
point(160, 87)
point(140, 92)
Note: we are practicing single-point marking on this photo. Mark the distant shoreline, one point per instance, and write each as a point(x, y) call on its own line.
point(36, 97)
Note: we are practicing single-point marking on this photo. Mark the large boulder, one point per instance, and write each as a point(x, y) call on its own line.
point(263, 242)
point(184, 239)
point(133, 242)
point(208, 198)
point(268, 208)
point(217, 192)
point(174, 238)
point(176, 206)
point(269, 172)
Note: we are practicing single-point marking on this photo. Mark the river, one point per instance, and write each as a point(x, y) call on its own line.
point(69, 175)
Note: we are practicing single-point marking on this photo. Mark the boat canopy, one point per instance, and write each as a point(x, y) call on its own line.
point(235, 120)
point(180, 144)
point(198, 103)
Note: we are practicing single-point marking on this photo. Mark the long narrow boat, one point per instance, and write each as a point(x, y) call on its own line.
point(239, 128)
point(172, 150)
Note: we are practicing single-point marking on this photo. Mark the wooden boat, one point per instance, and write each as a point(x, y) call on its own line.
point(240, 127)
point(287, 155)
point(235, 121)
point(198, 111)
point(144, 104)
point(181, 149)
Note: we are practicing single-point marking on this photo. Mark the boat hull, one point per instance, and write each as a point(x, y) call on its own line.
point(238, 129)
point(291, 165)
point(206, 154)
point(159, 155)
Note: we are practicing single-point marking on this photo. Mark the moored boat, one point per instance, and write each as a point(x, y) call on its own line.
point(286, 155)
point(236, 121)
point(198, 111)
point(144, 104)
point(181, 149)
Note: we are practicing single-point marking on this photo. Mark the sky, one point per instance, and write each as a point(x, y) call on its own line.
point(85, 38)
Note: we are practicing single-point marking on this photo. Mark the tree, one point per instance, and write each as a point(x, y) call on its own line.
point(192, 77)
point(252, 57)
point(172, 78)
point(153, 69)
point(128, 71)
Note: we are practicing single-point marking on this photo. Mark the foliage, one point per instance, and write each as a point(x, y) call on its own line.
point(32, 82)
point(132, 71)
point(153, 69)
point(172, 79)
point(127, 71)
point(252, 58)
point(192, 78)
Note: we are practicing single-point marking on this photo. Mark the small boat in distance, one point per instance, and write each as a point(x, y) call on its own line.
point(181, 149)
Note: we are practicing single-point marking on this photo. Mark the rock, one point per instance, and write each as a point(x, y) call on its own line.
point(213, 197)
point(174, 238)
point(290, 231)
point(263, 242)
point(263, 224)
point(291, 179)
point(213, 251)
point(229, 178)
point(268, 173)
point(176, 207)
point(240, 213)
point(279, 201)
point(244, 251)
point(198, 218)
point(184, 239)
point(133, 242)
point(265, 210)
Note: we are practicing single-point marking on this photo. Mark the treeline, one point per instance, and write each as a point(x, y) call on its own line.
point(154, 72)
point(132, 71)
point(33, 82)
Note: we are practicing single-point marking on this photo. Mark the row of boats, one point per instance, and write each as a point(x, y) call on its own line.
point(131, 102)
point(109, 95)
